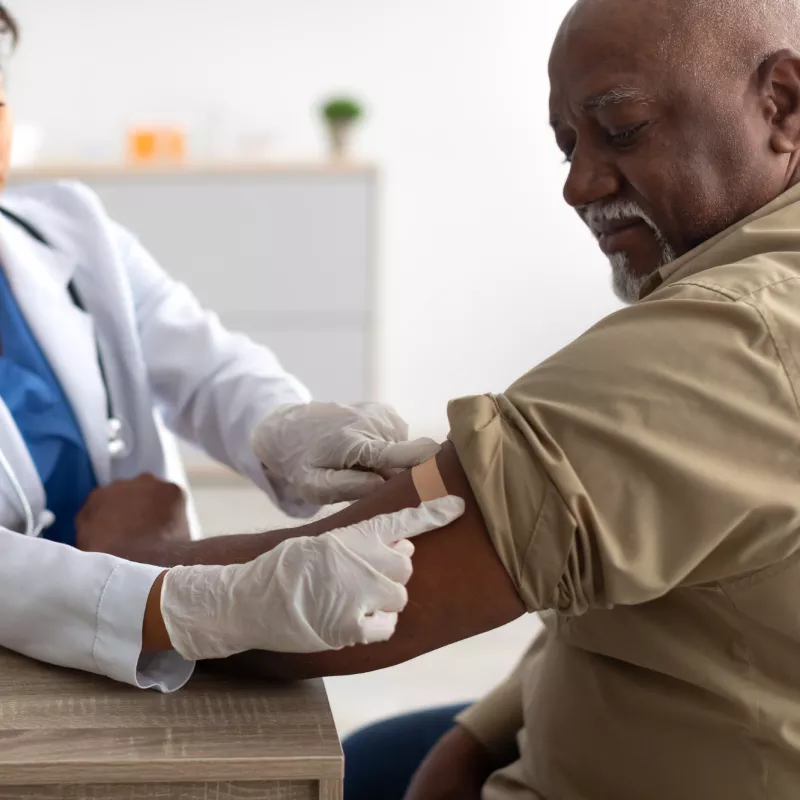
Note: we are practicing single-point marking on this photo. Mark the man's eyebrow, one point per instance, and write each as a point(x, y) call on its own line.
point(615, 96)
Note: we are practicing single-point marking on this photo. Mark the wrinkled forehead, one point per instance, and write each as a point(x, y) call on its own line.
point(595, 61)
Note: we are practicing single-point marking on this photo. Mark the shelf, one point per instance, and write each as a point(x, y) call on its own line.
point(89, 170)
point(204, 473)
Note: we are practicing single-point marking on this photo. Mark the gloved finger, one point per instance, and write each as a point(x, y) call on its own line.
point(324, 486)
point(387, 595)
point(395, 566)
point(410, 522)
point(404, 547)
point(365, 453)
point(385, 420)
point(392, 561)
point(384, 457)
point(377, 627)
point(404, 455)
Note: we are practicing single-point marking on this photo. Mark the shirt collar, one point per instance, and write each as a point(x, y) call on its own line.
point(735, 243)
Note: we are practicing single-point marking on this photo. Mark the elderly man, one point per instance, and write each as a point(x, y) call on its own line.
point(640, 488)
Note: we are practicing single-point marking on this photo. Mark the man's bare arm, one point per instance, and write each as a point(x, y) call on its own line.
point(459, 588)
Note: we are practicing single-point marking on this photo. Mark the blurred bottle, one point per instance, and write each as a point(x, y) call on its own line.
point(156, 145)
point(256, 145)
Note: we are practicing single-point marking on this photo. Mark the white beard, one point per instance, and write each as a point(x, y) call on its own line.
point(628, 284)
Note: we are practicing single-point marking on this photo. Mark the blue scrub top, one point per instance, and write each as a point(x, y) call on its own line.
point(45, 419)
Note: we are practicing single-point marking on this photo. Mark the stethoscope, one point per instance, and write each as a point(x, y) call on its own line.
point(118, 446)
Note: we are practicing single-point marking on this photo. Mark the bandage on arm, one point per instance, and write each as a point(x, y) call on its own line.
point(428, 481)
point(459, 588)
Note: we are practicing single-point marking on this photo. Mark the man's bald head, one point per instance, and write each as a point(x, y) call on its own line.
point(681, 116)
point(734, 33)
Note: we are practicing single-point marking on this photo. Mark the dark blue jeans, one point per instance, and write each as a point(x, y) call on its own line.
point(379, 761)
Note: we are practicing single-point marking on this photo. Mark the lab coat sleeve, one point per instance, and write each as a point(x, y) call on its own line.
point(81, 610)
point(212, 386)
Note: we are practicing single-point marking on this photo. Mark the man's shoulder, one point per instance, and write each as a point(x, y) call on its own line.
point(738, 303)
point(751, 280)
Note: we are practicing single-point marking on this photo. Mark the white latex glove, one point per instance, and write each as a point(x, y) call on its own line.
point(309, 594)
point(314, 447)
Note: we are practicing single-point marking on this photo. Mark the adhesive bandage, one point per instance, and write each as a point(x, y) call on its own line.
point(428, 481)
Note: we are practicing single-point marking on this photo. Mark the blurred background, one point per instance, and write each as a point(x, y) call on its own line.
point(410, 245)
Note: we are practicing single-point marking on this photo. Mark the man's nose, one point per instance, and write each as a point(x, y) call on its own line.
point(591, 179)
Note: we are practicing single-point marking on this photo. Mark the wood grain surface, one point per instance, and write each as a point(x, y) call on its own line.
point(69, 735)
point(274, 790)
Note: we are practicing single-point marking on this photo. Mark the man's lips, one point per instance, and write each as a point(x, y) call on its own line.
point(611, 234)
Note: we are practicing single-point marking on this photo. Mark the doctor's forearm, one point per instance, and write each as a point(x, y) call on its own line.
point(155, 638)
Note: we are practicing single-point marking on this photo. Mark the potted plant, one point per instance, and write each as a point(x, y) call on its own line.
point(340, 115)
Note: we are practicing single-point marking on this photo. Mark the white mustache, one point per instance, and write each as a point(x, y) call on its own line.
point(596, 214)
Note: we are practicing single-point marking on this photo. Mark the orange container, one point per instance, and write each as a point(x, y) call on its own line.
point(156, 145)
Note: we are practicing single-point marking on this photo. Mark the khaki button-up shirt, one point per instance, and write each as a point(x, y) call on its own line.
point(644, 484)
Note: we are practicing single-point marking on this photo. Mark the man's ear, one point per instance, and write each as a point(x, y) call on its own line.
point(779, 79)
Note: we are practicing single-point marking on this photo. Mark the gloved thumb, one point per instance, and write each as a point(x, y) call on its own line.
point(426, 517)
point(404, 547)
point(378, 627)
point(324, 486)
point(404, 455)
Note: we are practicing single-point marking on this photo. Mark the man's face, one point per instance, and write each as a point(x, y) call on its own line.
point(664, 153)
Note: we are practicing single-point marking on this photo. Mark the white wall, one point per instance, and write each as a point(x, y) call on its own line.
point(484, 269)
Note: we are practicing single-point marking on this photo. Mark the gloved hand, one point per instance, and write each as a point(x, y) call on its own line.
point(317, 448)
point(307, 595)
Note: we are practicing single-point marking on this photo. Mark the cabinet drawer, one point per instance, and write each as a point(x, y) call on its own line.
point(255, 243)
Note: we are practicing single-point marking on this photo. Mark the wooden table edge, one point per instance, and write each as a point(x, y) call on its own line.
point(316, 768)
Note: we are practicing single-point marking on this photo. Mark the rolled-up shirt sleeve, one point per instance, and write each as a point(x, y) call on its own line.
point(643, 456)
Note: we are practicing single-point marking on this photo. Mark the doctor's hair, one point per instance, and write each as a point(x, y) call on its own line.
point(8, 26)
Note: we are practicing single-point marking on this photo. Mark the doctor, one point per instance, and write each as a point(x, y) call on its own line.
point(101, 354)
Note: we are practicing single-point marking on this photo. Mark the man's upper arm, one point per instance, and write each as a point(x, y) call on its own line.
point(459, 587)
point(653, 452)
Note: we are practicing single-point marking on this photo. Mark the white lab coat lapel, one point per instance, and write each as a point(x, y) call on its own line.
point(39, 276)
point(13, 447)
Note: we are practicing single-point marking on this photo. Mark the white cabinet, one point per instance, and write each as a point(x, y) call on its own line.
point(258, 248)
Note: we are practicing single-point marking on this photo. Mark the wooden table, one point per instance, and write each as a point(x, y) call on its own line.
point(66, 735)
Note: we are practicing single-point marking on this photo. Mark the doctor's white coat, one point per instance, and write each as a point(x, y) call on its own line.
point(167, 362)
